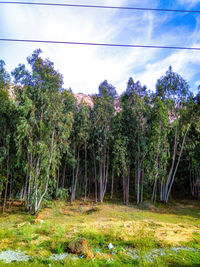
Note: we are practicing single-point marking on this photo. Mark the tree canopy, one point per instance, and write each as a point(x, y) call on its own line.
point(139, 145)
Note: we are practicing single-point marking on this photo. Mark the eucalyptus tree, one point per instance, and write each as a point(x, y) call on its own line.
point(26, 146)
point(80, 140)
point(38, 126)
point(94, 143)
point(102, 115)
point(86, 126)
point(135, 102)
point(192, 154)
point(192, 148)
point(174, 91)
point(158, 145)
point(7, 128)
point(66, 124)
point(121, 155)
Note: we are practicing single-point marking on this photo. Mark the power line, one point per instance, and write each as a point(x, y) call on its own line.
point(101, 44)
point(102, 7)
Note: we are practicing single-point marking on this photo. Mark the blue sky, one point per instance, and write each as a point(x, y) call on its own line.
point(84, 68)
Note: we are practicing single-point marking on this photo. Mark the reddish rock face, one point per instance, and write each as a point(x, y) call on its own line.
point(86, 99)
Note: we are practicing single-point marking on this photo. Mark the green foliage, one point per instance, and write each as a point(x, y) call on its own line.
point(54, 144)
point(4, 76)
point(62, 194)
point(172, 86)
point(40, 126)
point(107, 90)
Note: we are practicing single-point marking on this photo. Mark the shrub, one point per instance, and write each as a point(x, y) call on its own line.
point(62, 194)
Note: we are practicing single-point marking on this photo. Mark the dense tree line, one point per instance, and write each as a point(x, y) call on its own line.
point(139, 145)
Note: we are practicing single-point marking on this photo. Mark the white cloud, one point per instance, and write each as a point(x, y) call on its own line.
point(180, 61)
point(189, 3)
point(84, 67)
point(197, 83)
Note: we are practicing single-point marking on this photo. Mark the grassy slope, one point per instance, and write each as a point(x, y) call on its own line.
point(143, 228)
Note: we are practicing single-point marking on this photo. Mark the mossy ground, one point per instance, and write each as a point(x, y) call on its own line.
point(142, 228)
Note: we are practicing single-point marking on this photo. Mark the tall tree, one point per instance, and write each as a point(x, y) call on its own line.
point(135, 109)
point(102, 115)
point(41, 91)
point(174, 90)
point(66, 127)
point(80, 139)
point(7, 130)
point(158, 145)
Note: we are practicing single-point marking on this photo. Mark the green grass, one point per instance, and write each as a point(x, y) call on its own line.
point(136, 228)
point(182, 258)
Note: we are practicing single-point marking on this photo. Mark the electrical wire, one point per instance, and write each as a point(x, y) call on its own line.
point(100, 44)
point(102, 7)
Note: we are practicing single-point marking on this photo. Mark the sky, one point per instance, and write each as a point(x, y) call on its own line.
point(85, 67)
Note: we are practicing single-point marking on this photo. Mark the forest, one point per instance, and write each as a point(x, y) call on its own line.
point(140, 145)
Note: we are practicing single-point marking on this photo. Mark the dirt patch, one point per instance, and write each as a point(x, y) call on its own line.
point(46, 213)
point(92, 210)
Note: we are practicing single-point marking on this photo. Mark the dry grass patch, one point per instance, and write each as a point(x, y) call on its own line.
point(126, 222)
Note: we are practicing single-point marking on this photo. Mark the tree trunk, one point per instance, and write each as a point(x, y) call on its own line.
point(142, 187)
point(153, 198)
point(89, 185)
point(192, 181)
point(126, 183)
point(76, 177)
point(101, 182)
point(85, 171)
point(6, 189)
point(63, 176)
point(95, 176)
point(36, 185)
point(29, 184)
point(138, 170)
point(112, 183)
point(172, 166)
point(48, 170)
point(26, 187)
point(10, 193)
point(5, 195)
point(124, 188)
point(174, 174)
point(106, 175)
point(138, 184)
point(58, 180)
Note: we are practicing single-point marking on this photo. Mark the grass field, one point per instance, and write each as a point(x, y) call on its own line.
point(147, 235)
